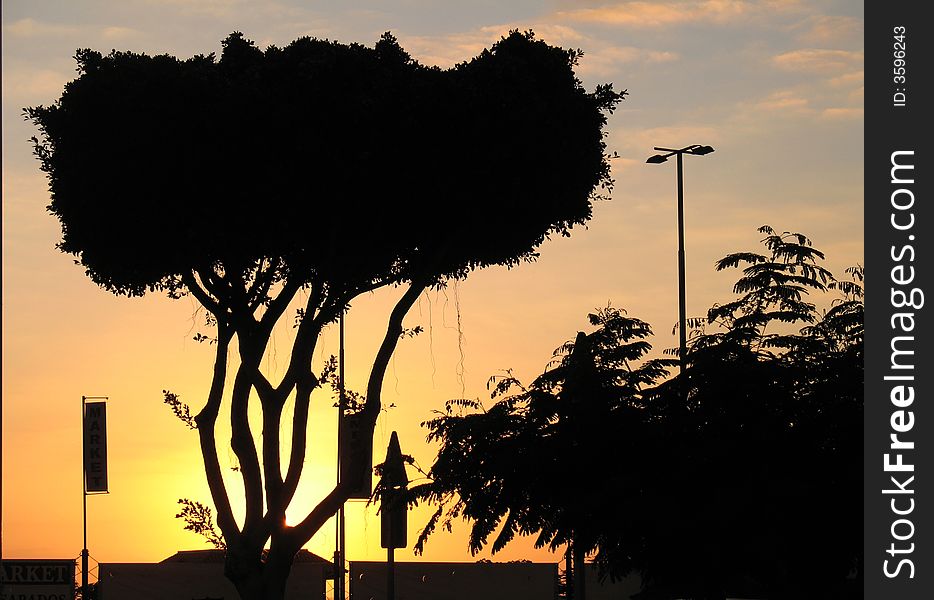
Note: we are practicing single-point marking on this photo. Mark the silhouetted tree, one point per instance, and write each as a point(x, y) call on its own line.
point(763, 497)
point(547, 459)
point(752, 488)
point(321, 168)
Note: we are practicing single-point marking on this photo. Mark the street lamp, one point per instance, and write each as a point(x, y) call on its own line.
point(655, 159)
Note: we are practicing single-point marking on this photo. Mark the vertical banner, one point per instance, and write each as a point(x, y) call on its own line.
point(899, 414)
point(95, 447)
point(356, 456)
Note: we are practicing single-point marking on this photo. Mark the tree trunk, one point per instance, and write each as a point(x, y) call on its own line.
point(256, 580)
point(568, 574)
point(580, 573)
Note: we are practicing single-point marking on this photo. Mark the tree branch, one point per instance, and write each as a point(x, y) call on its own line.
point(374, 387)
point(234, 300)
point(371, 408)
point(278, 304)
point(301, 533)
point(261, 283)
point(272, 469)
point(206, 420)
point(241, 435)
point(202, 295)
point(300, 377)
point(305, 340)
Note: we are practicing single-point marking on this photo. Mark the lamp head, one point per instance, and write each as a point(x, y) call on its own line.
point(656, 159)
point(702, 150)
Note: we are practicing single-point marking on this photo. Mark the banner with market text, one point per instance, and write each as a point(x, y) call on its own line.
point(95, 447)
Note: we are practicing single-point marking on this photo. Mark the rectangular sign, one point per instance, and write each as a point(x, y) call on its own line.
point(356, 449)
point(95, 447)
point(37, 579)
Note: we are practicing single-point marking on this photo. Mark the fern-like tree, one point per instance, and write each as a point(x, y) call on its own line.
point(771, 448)
point(749, 489)
point(546, 459)
point(314, 173)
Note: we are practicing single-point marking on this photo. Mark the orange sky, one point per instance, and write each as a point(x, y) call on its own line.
point(774, 86)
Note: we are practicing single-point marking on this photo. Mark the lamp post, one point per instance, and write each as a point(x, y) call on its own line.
point(696, 150)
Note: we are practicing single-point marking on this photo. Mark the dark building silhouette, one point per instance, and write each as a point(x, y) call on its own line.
point(199, 574)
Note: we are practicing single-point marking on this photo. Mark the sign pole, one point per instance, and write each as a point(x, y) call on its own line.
point(84, 502)
point(390, 575)
point(98, 441)
point(339, 592)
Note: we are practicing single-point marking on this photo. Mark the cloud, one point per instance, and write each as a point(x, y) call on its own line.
point(557, 34)
point(600, 58)
point(620, 165)
point(837, 97)
point(28, 28)
point(448, 50)
point(784, 101)
point(116, 33)
point(629, 54)
point(831, 30)
point(31, 28)
point(608, 60)
point(841, 114)
point(239, 11)
point(760, 115)
point(848, 79)
point(806, 103)
point(28, 86)
point(663, 14)
point(816, 60)
point(213, 8)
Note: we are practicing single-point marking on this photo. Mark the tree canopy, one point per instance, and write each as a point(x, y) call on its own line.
point(328, 168)
point(346, 163)
point(747, 489)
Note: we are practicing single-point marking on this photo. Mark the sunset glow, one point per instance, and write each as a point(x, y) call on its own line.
point(775, 87)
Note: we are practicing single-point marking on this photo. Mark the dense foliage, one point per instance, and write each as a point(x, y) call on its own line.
point(339, 162)
point(742, 477)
